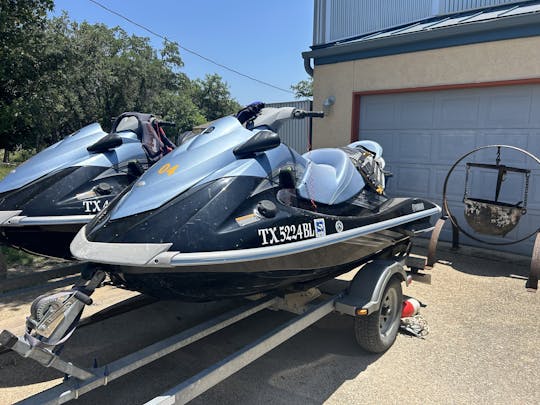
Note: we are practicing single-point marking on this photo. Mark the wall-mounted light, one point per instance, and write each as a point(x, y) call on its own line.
point(329, 101)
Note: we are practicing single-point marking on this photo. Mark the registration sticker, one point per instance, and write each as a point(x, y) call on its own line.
point(320, 227)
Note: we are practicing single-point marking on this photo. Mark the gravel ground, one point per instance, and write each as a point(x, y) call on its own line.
point(483, 347)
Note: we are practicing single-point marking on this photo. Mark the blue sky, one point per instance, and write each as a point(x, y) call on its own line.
point(263, 39)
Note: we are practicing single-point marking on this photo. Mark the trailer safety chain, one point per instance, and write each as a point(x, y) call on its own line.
point(415, 325)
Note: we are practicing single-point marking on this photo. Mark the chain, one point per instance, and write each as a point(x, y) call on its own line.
point(525, 197)
point(466, 192)
point(498, 160)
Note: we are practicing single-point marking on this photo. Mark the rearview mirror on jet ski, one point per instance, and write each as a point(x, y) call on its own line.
point(106, 143)
point(260, 142)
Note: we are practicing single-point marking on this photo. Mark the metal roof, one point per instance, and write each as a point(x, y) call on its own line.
point(469, 26)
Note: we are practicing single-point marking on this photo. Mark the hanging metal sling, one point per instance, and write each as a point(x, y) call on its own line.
point(494, 217)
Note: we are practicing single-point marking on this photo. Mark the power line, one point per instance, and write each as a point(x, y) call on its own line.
point(187, 49)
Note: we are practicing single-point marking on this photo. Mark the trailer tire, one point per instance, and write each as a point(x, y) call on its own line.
point(375, 333)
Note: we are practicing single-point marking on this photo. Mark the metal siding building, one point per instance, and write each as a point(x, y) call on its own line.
point(341, 19)
point(464, 74)
point(295, 133)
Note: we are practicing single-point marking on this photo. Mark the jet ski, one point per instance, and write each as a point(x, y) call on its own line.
point(234, 212)
point(46, 200)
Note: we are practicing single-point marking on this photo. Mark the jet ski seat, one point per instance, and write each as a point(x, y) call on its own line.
point(330, 177)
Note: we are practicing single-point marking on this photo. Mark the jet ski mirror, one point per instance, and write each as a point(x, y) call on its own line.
point(260, 142)
point(106, 143)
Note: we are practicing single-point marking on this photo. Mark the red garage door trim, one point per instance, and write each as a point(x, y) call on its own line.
point(356, 96)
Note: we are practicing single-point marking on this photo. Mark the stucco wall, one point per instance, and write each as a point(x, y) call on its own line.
point(486, 62)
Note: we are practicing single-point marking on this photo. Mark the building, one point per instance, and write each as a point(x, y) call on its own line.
point(430, 80)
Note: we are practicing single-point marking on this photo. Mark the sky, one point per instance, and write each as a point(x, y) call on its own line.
point(263, 39)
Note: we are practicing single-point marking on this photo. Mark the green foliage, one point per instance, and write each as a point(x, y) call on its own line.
point(4, 170)
point(22, 62)
point(213, 98)
point(21, 155)
point(57, 76)
point(303, 89)
point(17, 257)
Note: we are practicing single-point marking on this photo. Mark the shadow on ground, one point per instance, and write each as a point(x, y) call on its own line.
point(308, 368)
point(488, 263)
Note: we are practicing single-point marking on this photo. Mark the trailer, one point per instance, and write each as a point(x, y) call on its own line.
point(373, 298)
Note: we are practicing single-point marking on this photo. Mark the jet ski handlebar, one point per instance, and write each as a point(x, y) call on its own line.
point(299, 114)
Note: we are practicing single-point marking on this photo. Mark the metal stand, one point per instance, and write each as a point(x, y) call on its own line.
point(434, 240)
point(534, 274)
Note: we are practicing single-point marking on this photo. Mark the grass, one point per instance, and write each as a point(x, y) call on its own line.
point(4, 170)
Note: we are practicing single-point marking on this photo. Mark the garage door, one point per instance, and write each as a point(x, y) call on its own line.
point(423, 133)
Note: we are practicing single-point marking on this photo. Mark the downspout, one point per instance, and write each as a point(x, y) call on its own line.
point(307, 65)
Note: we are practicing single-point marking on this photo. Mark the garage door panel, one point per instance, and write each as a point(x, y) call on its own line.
point(458, 112)
point(460, 121)
point(534, 190)
point(410, 181)
point(414, 148)
point(507, 111)
point(529, 223)
point(534, 146)
point(510, 157)
point(452, 144)
point(416, 114)
point(455, 187)
point(535, 108)
point(379, 114)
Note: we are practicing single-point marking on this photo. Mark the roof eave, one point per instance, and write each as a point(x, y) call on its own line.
point(462, 34)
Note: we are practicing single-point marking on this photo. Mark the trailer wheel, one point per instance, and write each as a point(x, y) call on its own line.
point(375, 333)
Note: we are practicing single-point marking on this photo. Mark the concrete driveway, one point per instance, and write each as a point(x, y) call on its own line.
point(483, 347)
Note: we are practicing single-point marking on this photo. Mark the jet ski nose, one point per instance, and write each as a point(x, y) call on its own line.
point(119, 253)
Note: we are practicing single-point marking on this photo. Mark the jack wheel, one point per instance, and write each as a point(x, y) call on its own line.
point(375, 333)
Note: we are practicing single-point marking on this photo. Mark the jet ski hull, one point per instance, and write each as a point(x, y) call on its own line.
point(300, 270)
point(51, 240)
point(44, 216)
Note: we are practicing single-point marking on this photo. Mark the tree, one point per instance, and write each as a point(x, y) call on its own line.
point(213, 98)
point(22, 63)
point(303, 89)
point(61, 75)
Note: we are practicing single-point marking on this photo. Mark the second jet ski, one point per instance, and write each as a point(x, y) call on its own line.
point(46, 200)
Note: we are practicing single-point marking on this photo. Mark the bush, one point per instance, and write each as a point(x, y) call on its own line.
point(21, 155)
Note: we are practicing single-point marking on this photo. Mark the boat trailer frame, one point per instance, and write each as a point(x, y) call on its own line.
point(79, 380)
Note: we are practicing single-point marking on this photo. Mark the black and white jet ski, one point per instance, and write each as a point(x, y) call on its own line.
point(234, 212)
point(46, 200)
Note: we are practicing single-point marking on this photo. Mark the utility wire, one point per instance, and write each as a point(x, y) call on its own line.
point(187, 49)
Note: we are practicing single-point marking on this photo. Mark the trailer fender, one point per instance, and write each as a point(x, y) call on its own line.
point(367, 287)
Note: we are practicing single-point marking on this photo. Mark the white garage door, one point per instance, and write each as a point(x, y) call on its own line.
point(423, 133)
